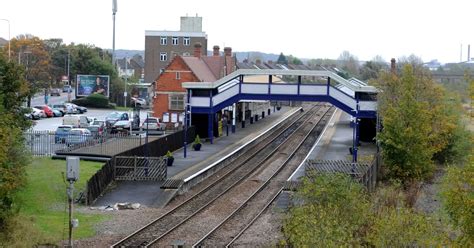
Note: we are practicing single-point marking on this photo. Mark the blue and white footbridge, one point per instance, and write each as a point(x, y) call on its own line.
point(350, 95)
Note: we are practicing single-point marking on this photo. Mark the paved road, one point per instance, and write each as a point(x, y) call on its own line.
point(39, 99)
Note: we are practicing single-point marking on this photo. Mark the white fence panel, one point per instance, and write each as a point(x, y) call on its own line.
point(226, 94)
point(284, 89)
point(313, 90)
point(255, 88)
point(338, 95)
point(199, 101)
point(368, 105)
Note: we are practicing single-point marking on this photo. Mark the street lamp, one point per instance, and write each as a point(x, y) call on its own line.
point(114, 10)
point(9, 38)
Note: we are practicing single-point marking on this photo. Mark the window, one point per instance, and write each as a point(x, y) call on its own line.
point(175, 41)
point(176, 102)
point(163, 56)
point(186, 41)
point(178, 75)
point(163, 40)
point(162, 70)
point(186, 54)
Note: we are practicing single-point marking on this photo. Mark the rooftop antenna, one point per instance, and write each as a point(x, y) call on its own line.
point(460, 56)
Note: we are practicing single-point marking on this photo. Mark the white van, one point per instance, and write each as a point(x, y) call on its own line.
point(76, 121)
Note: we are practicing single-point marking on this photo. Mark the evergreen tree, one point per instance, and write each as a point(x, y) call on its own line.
point(282, 60)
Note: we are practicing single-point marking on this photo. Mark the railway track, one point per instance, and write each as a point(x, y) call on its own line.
point(232, 227)
point(242, 166)
point(199, 201)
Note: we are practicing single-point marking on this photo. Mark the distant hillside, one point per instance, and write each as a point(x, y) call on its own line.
point(121, 53)
point(251, 56)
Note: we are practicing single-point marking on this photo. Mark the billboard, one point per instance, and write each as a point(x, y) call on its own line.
point(89, 84)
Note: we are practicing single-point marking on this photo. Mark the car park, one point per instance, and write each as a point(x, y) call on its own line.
point(61, 133)
point(78, 136)
point(152, 123)
point(98, 132)
point(55, 92)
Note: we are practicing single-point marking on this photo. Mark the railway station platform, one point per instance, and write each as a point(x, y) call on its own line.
point(150, 193)
point(335, 142)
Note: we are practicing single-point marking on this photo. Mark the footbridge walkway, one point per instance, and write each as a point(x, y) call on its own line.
point(350, 95)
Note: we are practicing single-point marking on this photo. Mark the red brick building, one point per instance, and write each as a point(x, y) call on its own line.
point(170, 99)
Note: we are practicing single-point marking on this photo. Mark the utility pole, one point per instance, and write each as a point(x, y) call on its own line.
point(114, 10)
point(72, 175)
point(125, 91)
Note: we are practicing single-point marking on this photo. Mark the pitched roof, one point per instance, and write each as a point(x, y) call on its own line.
point(200, 69)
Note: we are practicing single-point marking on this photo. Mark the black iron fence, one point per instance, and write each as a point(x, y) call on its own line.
point(139, 168)
point(156, 148)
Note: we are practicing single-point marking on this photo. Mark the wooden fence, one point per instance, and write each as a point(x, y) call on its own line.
point(96, 185)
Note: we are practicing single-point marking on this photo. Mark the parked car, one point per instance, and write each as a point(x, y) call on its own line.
point(60, 107)
point(140, 102)
point(67, 88)
point(122, 126)
point(78, 136)
point(55, 92)
point(77, 121)
point(114, 117)
point(100, 123)
point(152, 123)
point(33, 113)
point(80, 109)
point(57, 112)
point(47, 110)
point(98, 132)
point(61, 133)
point(40, 112)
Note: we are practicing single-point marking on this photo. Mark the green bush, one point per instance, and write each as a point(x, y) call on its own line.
point(457, 195)
point(334, 212)
point(93, 100)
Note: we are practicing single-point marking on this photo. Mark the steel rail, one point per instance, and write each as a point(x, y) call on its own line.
point(234, 183)
point(262, 187)
point(127, 240)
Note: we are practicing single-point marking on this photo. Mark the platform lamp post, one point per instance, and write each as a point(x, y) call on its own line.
point(114, 10)
point(9, 38)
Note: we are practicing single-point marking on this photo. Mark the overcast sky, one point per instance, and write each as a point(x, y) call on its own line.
point(304, 28)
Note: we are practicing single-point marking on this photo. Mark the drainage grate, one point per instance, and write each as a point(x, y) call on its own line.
point(172, 184)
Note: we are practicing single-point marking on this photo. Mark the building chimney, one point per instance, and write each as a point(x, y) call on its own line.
point(393, 66)
point(216, 51)
point(197, 50)
point(227, 51)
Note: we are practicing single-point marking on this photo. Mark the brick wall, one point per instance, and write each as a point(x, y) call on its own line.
point(168, 83)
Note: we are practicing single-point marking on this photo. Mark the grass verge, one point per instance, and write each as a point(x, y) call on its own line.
point(44, 199)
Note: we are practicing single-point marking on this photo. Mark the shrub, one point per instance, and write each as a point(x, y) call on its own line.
point(197, 140)
point(457, 195)
point(401, 227)
point(334, 211)
point(93, 100)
